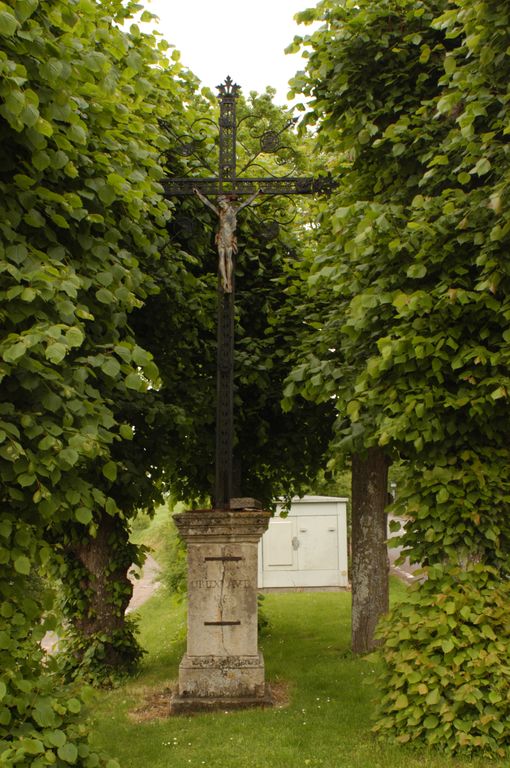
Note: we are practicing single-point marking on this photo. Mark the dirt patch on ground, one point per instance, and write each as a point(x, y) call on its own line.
point(155, 702)
point(281, 691)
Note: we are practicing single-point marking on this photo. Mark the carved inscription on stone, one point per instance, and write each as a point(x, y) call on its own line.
point(239, 583)
point(216, 584)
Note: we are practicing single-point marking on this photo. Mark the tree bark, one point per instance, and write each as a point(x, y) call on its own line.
point(107, 590)
point(370, 568)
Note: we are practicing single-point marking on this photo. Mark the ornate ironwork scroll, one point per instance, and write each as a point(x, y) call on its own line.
point(288, 185)
point(229, 92)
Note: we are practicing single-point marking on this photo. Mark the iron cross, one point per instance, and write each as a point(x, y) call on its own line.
point(227, 187)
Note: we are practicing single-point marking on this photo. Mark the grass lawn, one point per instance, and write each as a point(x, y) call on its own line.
point(327, 720)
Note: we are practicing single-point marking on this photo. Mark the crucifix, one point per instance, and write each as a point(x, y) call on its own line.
point(228, 187)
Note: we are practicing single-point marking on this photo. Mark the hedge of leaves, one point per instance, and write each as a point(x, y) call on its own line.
point(409, 314)
point(81, 215)
point(446, 663)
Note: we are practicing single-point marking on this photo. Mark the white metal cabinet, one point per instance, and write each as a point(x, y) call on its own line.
point(309, 547)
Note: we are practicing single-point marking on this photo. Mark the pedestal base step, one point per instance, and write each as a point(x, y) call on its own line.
point(187, 704)
point(222, 677)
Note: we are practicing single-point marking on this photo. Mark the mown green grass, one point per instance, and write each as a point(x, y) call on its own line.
point(326, 723)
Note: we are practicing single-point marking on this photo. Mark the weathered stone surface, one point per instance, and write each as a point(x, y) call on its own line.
point(222, 662)
point(222, 525)
point(222, 676)
point(246, 502)
point(182, 705)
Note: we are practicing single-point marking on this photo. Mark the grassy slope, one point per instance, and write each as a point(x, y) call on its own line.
point(326, 724)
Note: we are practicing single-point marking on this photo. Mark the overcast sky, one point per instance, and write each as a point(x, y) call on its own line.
point(241, 38)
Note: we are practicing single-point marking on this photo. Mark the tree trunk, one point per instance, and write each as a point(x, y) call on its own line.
point(106, 588)
point(370, 589)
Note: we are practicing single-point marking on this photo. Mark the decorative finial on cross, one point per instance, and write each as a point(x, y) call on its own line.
point(229, 88)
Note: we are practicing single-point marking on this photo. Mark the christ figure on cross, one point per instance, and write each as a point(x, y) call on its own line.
point(226, 239)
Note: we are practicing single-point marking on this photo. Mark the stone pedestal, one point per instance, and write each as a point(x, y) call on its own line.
point(222, 667)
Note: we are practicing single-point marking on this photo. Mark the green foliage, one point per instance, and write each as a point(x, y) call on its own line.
point(51, 731)
point(413, 346)
point(409, 304)
point(446, 674)
point(173, 559)
point(458, 509)
point(263, 621)
point(102, 659)
point(337, 484)
point(81, 218)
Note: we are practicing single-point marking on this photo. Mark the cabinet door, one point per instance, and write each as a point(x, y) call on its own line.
point(318, 542)
point(279, 545)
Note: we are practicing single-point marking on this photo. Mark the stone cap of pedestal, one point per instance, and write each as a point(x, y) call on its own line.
point(243, 525)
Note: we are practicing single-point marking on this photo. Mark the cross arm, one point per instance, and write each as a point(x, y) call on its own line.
point(176, 187)
point(289, 185)
point(296, 185)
